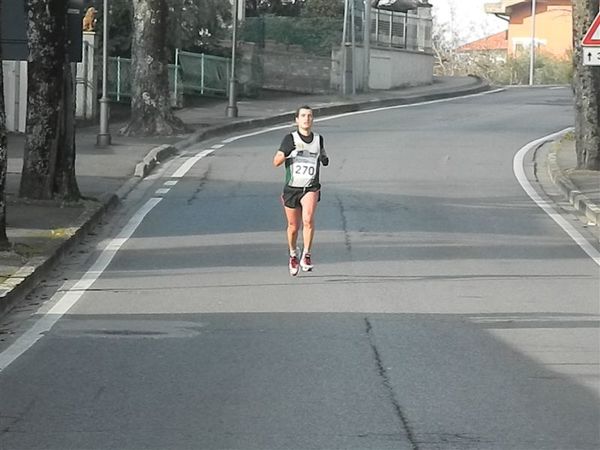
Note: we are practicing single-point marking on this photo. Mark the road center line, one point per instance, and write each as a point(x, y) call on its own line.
point(69, 298)
point(519, 170)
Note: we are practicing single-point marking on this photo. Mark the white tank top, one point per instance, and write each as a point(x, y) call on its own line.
point(305, 165)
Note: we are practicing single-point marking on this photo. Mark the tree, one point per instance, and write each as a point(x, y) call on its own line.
point(151, 112)
point(194, 25)
point(586, 85)
point(49, 158)
point(4, 244)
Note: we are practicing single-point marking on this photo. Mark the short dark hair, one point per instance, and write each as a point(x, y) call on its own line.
point(297, 113)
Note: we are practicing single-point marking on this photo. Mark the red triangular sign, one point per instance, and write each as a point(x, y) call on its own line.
point(592, 37)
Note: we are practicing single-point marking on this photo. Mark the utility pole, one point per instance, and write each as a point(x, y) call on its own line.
point(532, 49)
point(232, 109)
point(343, 50)
point(103, 139)
point(367, 45)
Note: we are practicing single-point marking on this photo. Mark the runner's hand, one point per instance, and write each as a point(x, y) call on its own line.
point(325, 160)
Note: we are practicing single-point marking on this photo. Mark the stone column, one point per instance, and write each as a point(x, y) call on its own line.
point(424, 27)
point(15, 94)
point(87, 79)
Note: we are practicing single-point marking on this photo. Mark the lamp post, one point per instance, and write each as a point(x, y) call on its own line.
point(103, 139)
point(532, 49)
point(367, 45)
point(232, 109)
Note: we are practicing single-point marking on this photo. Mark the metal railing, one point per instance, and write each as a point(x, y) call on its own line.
point(400, 30)
point(192, 74)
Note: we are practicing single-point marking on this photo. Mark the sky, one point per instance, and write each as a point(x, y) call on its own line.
point(469, 18)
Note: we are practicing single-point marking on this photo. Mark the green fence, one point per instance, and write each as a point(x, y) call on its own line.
point(192, 74)
point(315, 35)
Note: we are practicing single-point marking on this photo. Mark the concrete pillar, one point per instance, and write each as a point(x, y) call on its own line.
point(15, 94)
point(424, 27)
point(87, 78)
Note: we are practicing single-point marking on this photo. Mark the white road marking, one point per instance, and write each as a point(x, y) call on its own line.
point(171, 183)
point(366, 111)
point(519, 171)
point(70, 297)
point(186, 166)
point(162, 191)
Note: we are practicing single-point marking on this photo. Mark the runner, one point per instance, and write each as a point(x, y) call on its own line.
point(303, 152)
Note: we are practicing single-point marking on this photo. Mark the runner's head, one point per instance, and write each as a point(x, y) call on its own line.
point(304, 119)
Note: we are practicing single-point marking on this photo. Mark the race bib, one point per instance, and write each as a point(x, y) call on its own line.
point(304, 170)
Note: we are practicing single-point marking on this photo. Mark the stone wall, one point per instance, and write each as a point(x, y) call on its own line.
point(288, 68)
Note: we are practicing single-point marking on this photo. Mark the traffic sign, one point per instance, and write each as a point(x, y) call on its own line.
point(591, 56)
point(592, 37)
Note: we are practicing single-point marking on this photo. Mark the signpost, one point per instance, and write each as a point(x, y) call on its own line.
point(591, 44)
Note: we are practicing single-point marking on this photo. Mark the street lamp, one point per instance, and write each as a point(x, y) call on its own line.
point(232, 110)
point(103, 139)
point(532, 49)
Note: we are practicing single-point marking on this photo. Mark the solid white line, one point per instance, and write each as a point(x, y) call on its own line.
point(72, 296)
point(518, 169)
point(186, 166)
point(366, 111)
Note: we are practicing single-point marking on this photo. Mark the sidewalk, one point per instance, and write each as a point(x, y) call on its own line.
point(42, 232)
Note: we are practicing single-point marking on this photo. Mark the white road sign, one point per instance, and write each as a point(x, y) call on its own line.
point(591, 56)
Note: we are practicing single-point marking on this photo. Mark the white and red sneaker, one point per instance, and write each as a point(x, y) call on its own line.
point(306, 263)
point(294, 266)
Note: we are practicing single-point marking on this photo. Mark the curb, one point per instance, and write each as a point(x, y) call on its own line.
point(34, 270)
point(154, 157)
point(579, 201)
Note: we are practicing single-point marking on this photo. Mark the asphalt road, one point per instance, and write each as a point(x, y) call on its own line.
point(445, 311)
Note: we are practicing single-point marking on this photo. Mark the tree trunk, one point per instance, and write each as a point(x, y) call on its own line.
point(4, 244)
point(586, 85)
point(49, 159)
point(65, 184)
point(150, 102)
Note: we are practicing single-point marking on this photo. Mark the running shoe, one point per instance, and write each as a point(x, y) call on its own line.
point(306, 263)
point(294, 266)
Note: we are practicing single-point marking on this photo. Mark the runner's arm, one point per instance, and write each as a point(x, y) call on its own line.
point(285, 150)
point(323, 156)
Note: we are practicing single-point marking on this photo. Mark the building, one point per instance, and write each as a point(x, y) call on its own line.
point(553, 26)
point(494, 46)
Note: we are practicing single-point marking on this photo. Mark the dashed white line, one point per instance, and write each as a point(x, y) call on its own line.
point(186, 166)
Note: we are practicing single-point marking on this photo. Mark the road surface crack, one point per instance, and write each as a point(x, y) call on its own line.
point(388, 387)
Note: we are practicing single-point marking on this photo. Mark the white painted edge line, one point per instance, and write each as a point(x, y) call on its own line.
point(186, 166)
point(365, 111)
point(519, 171)
point(72, 296)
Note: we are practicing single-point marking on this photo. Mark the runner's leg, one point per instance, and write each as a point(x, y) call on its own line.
point(309, 207)
point(294, 218)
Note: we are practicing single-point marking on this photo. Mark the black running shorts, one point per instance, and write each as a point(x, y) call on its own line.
point(291, 196)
